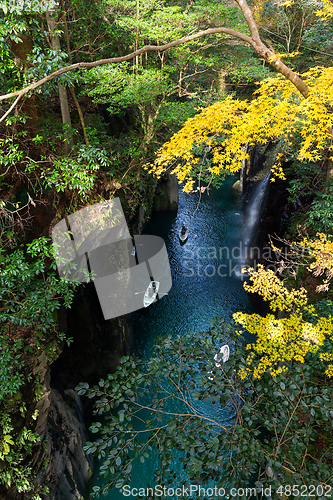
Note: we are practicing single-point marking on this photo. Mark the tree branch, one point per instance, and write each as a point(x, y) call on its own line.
point(10, 109)
point(127, 57)
point(254, 40)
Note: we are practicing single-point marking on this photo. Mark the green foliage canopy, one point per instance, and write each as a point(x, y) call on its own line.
point(275, 421)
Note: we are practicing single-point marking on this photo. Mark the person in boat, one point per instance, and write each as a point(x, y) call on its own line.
point(152, 289)
point(183, 230)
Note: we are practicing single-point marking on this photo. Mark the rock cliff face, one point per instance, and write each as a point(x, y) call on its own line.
point(97, 344)
point(64, 466)
point(96, 349)
point(70, 468)
point(166, 194)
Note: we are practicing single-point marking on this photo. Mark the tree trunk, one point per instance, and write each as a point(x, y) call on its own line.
point(71, 89)
point(266, 53)
point(21, 50)
point(66, 119)
point(222, 86)
point(79, 110)
point(329, 173)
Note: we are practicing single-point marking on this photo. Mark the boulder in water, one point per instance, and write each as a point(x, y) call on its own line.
point(237, 186)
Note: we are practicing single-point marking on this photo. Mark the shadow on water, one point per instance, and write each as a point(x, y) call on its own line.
point(206, 284)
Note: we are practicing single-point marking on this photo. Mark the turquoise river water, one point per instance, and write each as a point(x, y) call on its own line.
point(206, 283)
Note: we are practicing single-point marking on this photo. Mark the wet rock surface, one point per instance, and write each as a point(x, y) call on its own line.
point(166, 194)
point(60, 460)
point(97, 346)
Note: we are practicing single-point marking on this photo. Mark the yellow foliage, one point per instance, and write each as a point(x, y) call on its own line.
point(276, 112)
point(326, 356)
point(281, 55)
point(329, 371)
point(286, 3)
point(276, 170)
point(266, 284)
point(326, 11)
point(321, 250)
point(281, 341)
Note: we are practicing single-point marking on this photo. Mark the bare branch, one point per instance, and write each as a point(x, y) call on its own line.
point(11, 108)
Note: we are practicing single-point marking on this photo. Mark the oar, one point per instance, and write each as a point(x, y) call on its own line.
point(177, 231)
point(162, 293)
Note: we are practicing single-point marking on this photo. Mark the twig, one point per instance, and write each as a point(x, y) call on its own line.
point(11, 108)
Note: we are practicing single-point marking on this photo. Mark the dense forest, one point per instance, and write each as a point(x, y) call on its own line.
point(105, 99)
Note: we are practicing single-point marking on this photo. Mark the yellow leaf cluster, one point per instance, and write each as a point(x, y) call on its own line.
point(281, 341)
point(286, 3)
point(321, 250)
point(329, 371)
point(275, 114)
point(326, 11)
point(283, 55)
point(327, 356)
point(277, 170)
point(266, 284)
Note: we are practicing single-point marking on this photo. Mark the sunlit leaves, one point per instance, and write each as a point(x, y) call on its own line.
point(10, 152)
point(271, 288)
point(76, 173)
point(321, 250)
point(14, 447)
point(281, 340)
point(326, 11)
point(277, 113)
point(119, 87)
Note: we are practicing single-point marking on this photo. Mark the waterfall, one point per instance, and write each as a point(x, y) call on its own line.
point(252, 217)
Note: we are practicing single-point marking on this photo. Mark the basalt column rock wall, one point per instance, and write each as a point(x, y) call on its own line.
point(60, 461)
point(97, 345)
point(166, 194)
point(95, 351)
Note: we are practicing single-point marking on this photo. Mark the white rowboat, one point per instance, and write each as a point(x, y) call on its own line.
point(223, 355)
point(183, 237)
point(150, 294)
